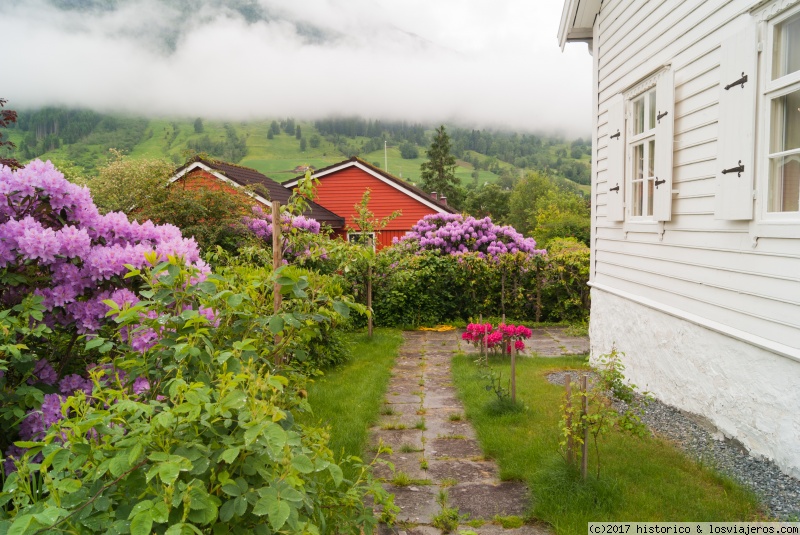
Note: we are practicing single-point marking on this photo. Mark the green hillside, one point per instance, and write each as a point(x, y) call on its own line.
point(81, 139)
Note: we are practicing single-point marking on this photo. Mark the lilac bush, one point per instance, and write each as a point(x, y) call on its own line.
point(452, 234)
point(54, 240)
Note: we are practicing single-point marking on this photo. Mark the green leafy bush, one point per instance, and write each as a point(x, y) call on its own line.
point(211, 445)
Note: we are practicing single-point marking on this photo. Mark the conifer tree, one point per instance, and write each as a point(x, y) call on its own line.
point(439, 172)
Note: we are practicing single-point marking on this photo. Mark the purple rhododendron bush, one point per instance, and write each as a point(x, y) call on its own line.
point(455, 268)
point(454, 234)
point(142, 393)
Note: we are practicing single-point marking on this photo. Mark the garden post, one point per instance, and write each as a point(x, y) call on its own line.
point(369, 299)
point(585, 426)
point(513, 373)
point(568, 410)
point(276, 263)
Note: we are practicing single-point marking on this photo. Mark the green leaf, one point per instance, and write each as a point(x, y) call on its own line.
point(169, 472)
point(50, 515)
point(234, 300)
point(227, 510)
point(135, 452)
point(278, 514)
point(142, 523)
point(285, 281)
point(230, 455)
point(118, 465)
point(95, 342)
point(207, 287)
point(231, 489)
point(276, 324)
point(303, 464)
point(342, 309)
point(336, 474)
point(22, 523)
point(160, 513)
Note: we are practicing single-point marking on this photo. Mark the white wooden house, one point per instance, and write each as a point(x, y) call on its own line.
point(695, 269)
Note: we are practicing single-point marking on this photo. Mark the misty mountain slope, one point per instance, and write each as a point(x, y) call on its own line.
point(81, 140)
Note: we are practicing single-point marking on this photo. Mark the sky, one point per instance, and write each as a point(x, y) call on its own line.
point(475, 63)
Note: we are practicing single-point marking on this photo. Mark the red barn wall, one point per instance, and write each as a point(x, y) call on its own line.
point(339, 192)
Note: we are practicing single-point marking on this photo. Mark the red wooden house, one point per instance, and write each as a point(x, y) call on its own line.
point(341, 187)
point(214, 174)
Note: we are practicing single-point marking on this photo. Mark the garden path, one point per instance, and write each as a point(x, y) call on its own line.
point(434, 448)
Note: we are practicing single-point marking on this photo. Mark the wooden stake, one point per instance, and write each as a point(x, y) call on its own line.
point(584, 414)
point(277, 260)
point(369, 300)
point(513, 373)
point(568, 409)
point(483, 333)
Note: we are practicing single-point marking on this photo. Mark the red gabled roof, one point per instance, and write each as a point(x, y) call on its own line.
point(247, 177)
point(398, 183)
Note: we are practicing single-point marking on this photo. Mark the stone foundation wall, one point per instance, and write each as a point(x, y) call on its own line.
point(749, 394)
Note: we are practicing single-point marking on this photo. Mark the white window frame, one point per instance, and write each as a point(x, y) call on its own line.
point(777, 224)
point(659, 86)
point(643, 140)
point(352, 237)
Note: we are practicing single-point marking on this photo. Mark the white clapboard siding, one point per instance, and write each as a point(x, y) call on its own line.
point(701, 256)
point(737, 121)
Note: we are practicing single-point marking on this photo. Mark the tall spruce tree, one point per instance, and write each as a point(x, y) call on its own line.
point(439, 172)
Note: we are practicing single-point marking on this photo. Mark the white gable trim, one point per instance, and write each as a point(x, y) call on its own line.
point(789, 352)
point(199, 165)
point(426, 202)
point(577, 22)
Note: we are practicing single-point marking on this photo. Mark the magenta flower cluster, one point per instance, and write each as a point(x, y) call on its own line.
point(452, 234)
point(47, 221)
point(261, 224)
point(500, 338)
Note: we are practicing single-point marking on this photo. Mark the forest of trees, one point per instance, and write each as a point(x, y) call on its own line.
point(525, 151)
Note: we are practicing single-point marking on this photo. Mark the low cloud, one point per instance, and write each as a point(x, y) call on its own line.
point(485, 63)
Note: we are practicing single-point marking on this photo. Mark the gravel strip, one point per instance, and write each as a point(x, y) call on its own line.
point(779, 492)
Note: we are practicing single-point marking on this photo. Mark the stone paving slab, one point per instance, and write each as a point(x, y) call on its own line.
point(485, 501)
point(449, 458)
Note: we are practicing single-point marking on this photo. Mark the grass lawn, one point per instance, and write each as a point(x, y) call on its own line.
point(640, 480)
point(349, 398)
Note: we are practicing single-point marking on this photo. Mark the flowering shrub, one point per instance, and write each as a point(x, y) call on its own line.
point(483, 334)
point(261, 224)
point(295, 231)
point(54, 241)
point(452, 234)
point(204, 439)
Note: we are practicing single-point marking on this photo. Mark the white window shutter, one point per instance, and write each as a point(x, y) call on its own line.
point(665, 142)
point(615, 175)
point(736, 137)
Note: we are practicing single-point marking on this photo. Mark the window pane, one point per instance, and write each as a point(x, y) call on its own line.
point(637, 198)
point(784, 184)
point(638, 114)
point(652, 115)
point(651, 157)
point(786, 52)
point(638, 162)
point(785, 123)
point(650, 197)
